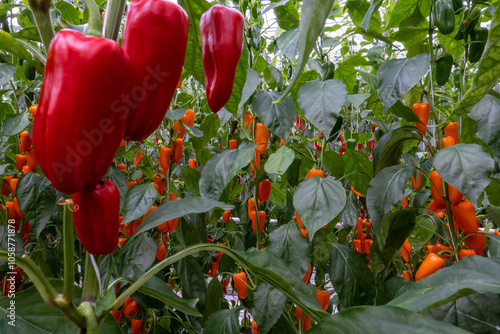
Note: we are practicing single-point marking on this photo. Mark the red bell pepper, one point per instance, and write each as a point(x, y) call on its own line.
point(79, 125)
point(222, 44)
point(155, 39)
point(96, 217)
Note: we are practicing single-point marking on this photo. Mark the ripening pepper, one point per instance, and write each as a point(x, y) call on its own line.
point(307, 275)
point(478, 38)
point(446, 142)
point(136, 326)
point(436, 187)
point(155, 39)
point(315, 172)
point(323, 297)
point(31, 159)
point(240, 283)
point(451, 130)
point(257, 164)
point(429, 266)
point(262, 220)
point(306, 324)
point(25, 140)
point(443, 16)
point(261, 138)
point(422, 112)
point(21, 161)
point(222, 37)
point(469, 21)
point(442, 69)
point(477, 242)
point(178, 148)
point(328, 69)
point(465, 252)
point(254, 328)
point(96, 217)
point(78, 126)
point(161, 252)
point(416, 183)
point(454, 195)
point(264, 190)
point(226, 216)
point(233, 144)
point(464, 215)
point(165, 153)
point(192, 163)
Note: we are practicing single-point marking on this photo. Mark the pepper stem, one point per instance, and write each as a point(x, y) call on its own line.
point(113, 18)
point(41, 12)
point(68, 250)
point(95, 21)
point(222, 2)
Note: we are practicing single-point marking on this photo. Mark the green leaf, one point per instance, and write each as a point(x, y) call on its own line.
point(366, 20)
point(104, 302)
point(477, 313)
point(6, 73)
point(363, 14)
point(402, 10)
point(288, 42)
point(349, 215)
point(33, 315)
point(356, 99)
point(424, 230)
point(382, 319)
point(348, 74)
point(287, 15)
point(493, 191)
point(267, 306)
point(389, 148)
point(239, 83)
point(321, 102)
point(138, 201)
point(333, 163)
point(386, 189)
point(37, 200)
point(68, 12)
point(358, 170)
point(451, 45)
point(279, 161)
point(219, 170)
point(109, 325)
point(351, 278)
point(191, 179)
point(179, 208)
point(287, 243)
point(251, 84)
point(192, 280)
point(215, 296)
point(192, 230)
point(121, 182)
point(140, 251)
point(470, 274)
point(223, 322)
point(312, 21)
point(466, 167)
point(277, 117)
point(397, 76)
point(157, 288)
point(4, 8)
point(14, 124)
point(10, 44)
point(318, 201)
point(400, 110)
point(193, 62)
point(412, 30)
point(487, 115)
point(388, 239)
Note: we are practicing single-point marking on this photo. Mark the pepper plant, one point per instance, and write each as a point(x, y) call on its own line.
point(248, 166)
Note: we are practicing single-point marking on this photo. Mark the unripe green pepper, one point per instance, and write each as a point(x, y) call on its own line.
point(442, 68)
point(478, 38)
point(444, 16)
point(468, 23)
point(29, 70)
point(456, 78)
point(255, 35)
point(328, 70)
point(457, 5)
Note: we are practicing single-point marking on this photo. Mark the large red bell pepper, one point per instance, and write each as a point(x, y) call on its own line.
point(155, 39)
point(96, 217)
point(79, 124)
point(222, 43)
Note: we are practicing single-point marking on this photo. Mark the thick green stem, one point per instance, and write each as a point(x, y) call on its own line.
point(256, 199)
point(222, 2)
point(113, 19)
point(69, 251)
point(41, 12)
point(95, 20)
point(88, 312)
point(90, 284)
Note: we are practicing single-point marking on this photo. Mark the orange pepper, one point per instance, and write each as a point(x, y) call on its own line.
point(25, 140)
point(161, 252)
point(429, 266)
point(31, 160)
point(451, 130)
point(178, 148)
point(464, 215)
point(240, 283)
point(422, 112)
point(261, 138)
point(165, 154)
point(233, 144)
point(264, 190)
point(436, 187)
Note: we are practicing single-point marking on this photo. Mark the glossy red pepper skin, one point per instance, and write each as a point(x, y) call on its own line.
point(222, 44)
point(155, 39)
point(96, 217)
point(78, 127)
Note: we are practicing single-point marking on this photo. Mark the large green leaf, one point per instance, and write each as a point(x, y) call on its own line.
point(287, 42)
point(279, 161)
point(470, 274)
point(138, 201)
point(140, 252)
point(37, 199)
point(6, 73)
point(239, 82)
point(333, 163)
point(223, 322)
point(487, 115)
point(349, 215)
point(192, 280)
point(14, 124)
point(179, 208)
point(466, 167)
point(373, 8)
point(267, 306)
point(364, 15)
point(351, 278)
point(32, 315)
point(277, 117)
point(193, 62)
point(318, 201)
point(68, 12)
point(289, 245)
point(477, 313)
point(398, 76)
point(402, 10)
point(386, 189)
point(389, 148)
point(10, 44)
point(382, 319)
point(358, 170)
point(251, 84)
point(219, 170)
point(312, 21)
point(321, 102)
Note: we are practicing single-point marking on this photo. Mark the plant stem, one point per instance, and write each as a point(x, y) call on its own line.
point(256, 199)
point(88, 312)
point(221, 2)
point(95, 21)
point(90, 284)
point(113, 18)
point(41, 12)
point(69, 251)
